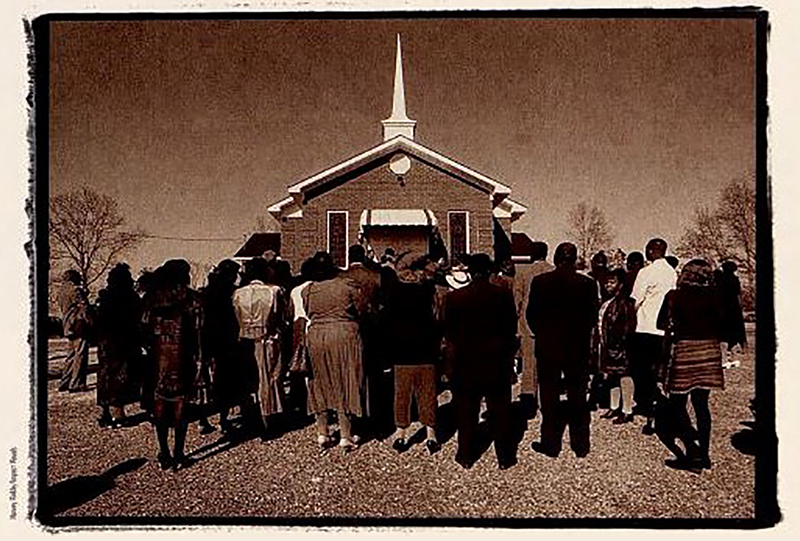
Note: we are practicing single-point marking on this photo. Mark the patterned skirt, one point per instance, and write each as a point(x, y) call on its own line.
point(696, 364)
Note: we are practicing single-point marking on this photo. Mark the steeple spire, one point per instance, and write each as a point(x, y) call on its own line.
point(398, 123)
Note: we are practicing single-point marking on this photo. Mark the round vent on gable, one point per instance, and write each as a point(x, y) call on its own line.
point(400, 164)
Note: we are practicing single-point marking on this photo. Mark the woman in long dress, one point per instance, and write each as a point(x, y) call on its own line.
point(335, 351)
point(171, 318)
point(260, 308)
point(119, 351)
point(220, 337)
point(693, 315)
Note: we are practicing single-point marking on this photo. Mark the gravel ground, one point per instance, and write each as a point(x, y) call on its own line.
point(624, 476)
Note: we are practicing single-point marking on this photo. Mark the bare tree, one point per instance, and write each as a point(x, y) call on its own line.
point(87, 231)
point(264, 224)
point(727, 232)
point(588, 229)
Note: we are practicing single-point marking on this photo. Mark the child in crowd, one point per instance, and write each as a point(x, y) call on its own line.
point(615, 322)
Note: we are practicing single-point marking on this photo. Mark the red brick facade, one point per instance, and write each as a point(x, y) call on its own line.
point(376, 187)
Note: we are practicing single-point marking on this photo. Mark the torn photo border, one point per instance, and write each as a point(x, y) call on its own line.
point(766, 512)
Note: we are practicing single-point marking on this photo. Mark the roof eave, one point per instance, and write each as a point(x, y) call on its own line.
point(497, 190)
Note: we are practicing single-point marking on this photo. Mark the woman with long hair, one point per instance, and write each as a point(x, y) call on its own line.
point(693, 316)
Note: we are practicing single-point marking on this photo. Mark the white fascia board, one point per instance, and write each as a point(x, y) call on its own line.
point(509, 209)
point(285, 208)
point(345, 166)
point(497, 190)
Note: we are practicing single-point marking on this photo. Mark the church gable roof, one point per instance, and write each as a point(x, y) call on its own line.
point(320, 181)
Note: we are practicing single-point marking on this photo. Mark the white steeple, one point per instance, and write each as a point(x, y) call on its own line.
point(398, 123)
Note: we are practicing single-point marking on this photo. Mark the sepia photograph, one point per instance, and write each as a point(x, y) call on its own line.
point(457, 268)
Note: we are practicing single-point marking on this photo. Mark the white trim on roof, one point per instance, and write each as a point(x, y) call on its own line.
point(509, 209)
point(285, 208)
point(497, 190)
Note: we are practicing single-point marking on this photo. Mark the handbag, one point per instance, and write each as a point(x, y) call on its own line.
point(300, 362)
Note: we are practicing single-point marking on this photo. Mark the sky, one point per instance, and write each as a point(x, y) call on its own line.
point(196, 127)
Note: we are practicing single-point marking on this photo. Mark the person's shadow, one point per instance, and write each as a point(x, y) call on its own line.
point(77, 491)
point(484, 435)
point(235, 437)
point(746, 440)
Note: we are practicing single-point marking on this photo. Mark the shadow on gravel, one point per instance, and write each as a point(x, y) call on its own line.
point(77, 491)
point(224, 443)
point(745, 441)
point(136, 420)
point(446, 426)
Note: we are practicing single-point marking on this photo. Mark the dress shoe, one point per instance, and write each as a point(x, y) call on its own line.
point(623, 418)
point(540, 448)
point(165, 461)
point(506, 464)
point(704, 462)
point(682, 464)
point(464, 463)
point(180, 462)
point(207, 428)
point(348, 446)
point(433, 446)
point(104, 421)
point(611, 414)
point(400, 445)
point(581, 453)
point(648, 429)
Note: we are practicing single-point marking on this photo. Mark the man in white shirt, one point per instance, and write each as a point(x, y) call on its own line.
point(647, 343)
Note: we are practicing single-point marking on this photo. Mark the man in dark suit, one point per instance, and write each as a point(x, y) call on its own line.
point(365, 279)
point(562, 310)
point(481, 324)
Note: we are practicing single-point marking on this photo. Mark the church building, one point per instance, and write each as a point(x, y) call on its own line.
point(399, 194)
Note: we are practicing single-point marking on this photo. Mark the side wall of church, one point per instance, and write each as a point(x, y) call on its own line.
point(376, 187)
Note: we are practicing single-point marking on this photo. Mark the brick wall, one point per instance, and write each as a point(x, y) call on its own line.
point(376, 187)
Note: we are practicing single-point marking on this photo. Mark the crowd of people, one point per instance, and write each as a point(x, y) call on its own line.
point(375, 345)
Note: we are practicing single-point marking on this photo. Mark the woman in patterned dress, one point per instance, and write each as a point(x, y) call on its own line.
point(693, 315)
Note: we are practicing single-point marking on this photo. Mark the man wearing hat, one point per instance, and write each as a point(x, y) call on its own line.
point(480, 322)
